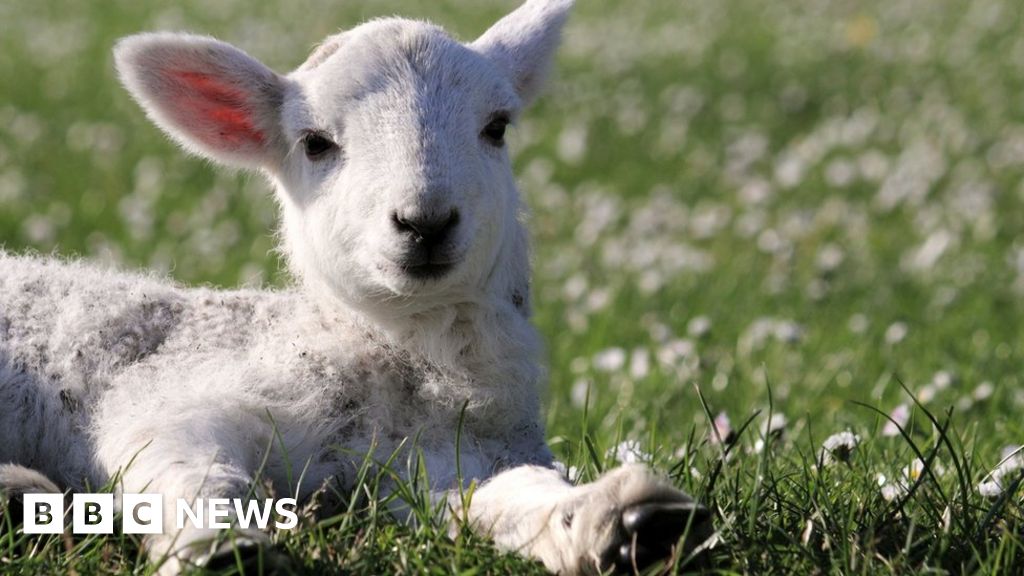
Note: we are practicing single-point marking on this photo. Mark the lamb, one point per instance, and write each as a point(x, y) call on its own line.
point(409, 317)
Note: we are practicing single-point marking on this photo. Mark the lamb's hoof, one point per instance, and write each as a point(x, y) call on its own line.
point(250, 558)
point(648, 532)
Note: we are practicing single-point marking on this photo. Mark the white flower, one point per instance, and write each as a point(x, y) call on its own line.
point(788, 331)
point(858, 323)
point(699, 326)
point(575, 287)
point(840, 173)
point(629, 452)
point(895, 333)
point(926, 255)
point(1004, 475)
point(570, 473)
point(771, 429)
point(927, 393)
point(764, 329)
point(942, 380)
point(639, 363)
point(829, 257)
point(775, 425)
point(991, 489)
point(572, 143)
point(580, 392)
point(598, 300)
point(891, 492)
point(914, 470)
point(908, 477)
point(610, 360)
point(839, 447)
point(983, 391)
point(723, 431)
point(673, 352)
point(899, 417)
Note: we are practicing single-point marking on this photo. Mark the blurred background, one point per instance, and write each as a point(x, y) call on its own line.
point(820, 197)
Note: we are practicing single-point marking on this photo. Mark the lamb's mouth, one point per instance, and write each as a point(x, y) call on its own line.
point(426, 270)
point(426, 265)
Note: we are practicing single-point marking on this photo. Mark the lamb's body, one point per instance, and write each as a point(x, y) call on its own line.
point(85, 352)
point(408, 325)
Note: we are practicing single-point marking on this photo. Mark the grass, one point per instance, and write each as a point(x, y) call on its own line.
point(811, 209)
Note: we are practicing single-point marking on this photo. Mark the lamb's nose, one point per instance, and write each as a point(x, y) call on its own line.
point(427, 230)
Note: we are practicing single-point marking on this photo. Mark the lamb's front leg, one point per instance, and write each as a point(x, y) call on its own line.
point(206, 456)
point(625, 521)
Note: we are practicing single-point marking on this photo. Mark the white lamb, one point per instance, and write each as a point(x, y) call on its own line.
point(401, 224)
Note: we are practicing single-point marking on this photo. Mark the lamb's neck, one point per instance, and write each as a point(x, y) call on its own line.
point(486, 355)
point(472, 337)
point(490, 355)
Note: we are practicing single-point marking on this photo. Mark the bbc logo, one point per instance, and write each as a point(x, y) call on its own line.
point(144, 513)
point(93, 513)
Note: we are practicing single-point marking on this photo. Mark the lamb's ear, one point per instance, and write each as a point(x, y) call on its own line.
point(211, 97)
point(524, 43)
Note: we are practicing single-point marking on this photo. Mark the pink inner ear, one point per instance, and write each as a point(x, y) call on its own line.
point(222, 106)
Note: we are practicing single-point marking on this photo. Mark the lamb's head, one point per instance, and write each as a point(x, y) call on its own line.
point(386, 146)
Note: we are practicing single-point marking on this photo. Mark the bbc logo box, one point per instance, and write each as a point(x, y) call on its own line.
point(93, 514)
point(144, 513)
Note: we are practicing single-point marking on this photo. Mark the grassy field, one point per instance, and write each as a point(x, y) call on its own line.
point(807, 209)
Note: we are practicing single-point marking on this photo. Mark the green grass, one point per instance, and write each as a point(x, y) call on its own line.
point(810, 179)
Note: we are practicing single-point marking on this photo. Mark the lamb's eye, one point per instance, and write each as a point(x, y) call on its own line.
point(494, 132)
point(317, 145)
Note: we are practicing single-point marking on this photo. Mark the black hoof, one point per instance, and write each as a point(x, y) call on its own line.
point(250, 559)
point(650, 530)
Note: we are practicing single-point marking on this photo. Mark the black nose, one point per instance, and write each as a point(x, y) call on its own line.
point(427, 230)
point(651, 529)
